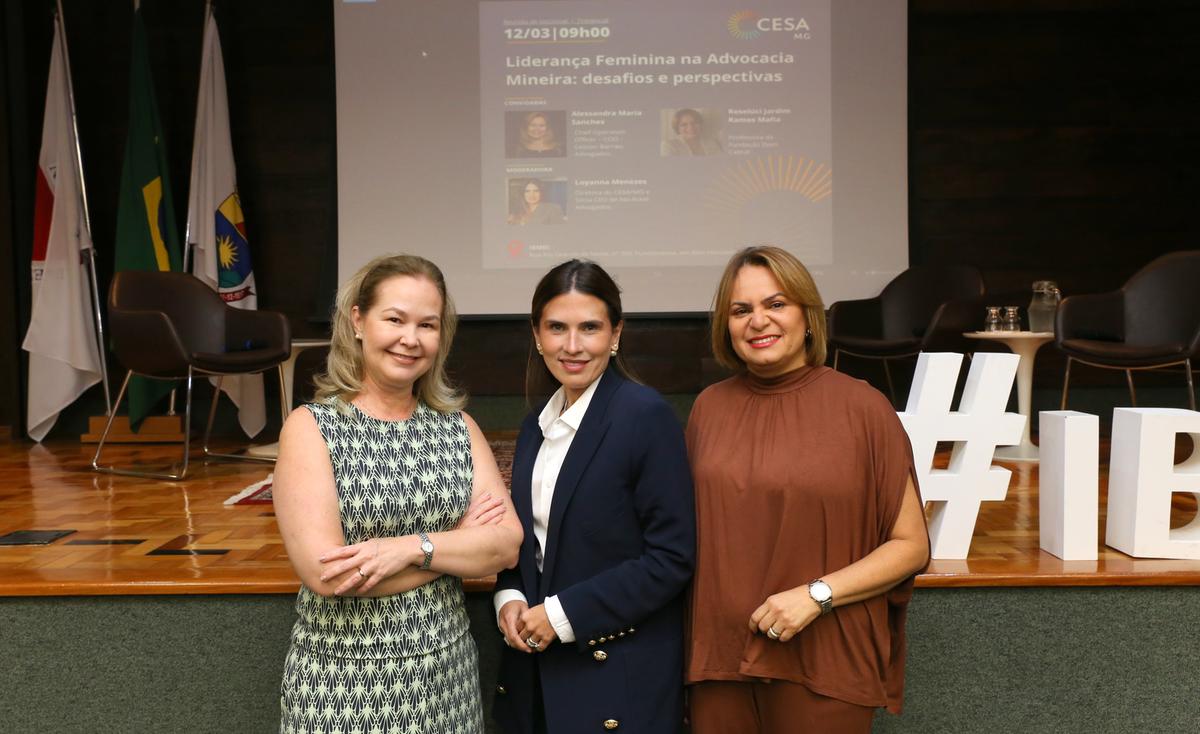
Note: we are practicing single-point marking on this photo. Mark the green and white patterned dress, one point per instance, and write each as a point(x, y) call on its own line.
point(402, 664)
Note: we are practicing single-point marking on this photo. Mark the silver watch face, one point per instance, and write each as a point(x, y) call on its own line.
point(820, 591)
point(427, 546)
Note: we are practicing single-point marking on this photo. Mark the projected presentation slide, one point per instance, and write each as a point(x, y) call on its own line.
point(657, 137)
point(654, 134)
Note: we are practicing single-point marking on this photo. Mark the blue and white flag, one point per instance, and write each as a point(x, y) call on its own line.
point(216, 229)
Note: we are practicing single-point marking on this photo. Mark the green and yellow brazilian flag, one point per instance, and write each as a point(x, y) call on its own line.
point(147, 238)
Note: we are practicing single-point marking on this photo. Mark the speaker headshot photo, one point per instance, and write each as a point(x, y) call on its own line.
point(689, 132)
point(533, 201)
point(539, 134)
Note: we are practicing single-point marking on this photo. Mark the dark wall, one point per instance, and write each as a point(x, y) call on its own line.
point(1054, 140)
point(16, 213)
point(1047, 140)
point(279, 67)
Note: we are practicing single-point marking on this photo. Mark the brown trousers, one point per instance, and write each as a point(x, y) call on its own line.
point(778, 707)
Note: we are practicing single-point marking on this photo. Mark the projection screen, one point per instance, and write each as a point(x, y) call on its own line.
point(501, 138)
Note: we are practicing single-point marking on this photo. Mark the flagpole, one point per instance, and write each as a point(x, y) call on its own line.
point(90, 262)
point(187, 228)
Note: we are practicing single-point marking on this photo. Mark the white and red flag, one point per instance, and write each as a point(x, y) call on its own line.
point(64, 359)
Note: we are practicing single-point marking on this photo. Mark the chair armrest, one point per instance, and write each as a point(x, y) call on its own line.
point(1098, 316)
point(246, 330)
point(147, 342)
point(950, 321)
point(860, 317)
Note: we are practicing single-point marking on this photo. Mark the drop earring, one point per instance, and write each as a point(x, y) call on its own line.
point(613, 351)
point(538, 345)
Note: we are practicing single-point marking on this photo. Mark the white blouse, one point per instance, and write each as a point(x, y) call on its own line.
point(558, 431)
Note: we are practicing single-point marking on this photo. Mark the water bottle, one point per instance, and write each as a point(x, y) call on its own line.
point(1046, 297)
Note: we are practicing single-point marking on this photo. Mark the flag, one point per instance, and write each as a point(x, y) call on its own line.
point(215, 224)
point(146, 235)
point(64, 358)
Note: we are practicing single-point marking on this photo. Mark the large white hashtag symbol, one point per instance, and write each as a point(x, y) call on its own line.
point(977, 428)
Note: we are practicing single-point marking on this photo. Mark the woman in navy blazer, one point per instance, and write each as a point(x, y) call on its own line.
point(593, 612)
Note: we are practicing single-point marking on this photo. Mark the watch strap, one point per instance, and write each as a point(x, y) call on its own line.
point(426, 548)
point(826, 604)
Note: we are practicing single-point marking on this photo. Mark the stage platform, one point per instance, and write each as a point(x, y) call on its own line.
point(134, 536)
point(168, 610)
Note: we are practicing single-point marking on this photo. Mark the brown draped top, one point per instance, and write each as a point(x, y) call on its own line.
point(795, 478)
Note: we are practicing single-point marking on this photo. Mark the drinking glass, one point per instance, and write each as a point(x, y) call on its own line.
point(991, 322)
point(1012, 318)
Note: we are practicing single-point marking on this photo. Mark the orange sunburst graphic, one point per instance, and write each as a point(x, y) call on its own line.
point(740, 184)
point(734, 24)
point(783, 199)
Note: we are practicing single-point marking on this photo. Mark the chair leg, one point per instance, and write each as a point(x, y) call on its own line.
point(1132, 392)
point(187, 438)
point(887, 373)
point(1066, 384)
point(212, 414)
point(187, 424)
point(1187, 369)
point(284, 405)
point(111, 417)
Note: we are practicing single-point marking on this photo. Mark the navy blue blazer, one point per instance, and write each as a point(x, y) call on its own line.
point(620, 549)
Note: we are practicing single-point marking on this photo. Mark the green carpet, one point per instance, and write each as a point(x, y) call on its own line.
point(980, 660)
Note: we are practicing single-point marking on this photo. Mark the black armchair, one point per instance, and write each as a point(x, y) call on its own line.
point(171, 326)
point(923, 309)
point(1151, 322)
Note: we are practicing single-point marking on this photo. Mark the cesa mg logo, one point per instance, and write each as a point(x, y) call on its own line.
point(747, 25)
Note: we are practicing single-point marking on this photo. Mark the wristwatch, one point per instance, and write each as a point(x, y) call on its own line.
point(426, 548)
point(821, 594)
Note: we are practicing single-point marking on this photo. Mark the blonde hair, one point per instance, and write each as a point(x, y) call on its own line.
point(343, 376)
point(549, 140)
point(798, 286)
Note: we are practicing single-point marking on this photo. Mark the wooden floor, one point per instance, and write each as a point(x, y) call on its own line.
point(135, 536)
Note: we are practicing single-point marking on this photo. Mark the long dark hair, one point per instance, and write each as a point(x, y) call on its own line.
point(582, 276)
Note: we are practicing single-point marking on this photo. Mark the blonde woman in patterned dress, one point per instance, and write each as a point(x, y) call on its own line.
point(386, 496)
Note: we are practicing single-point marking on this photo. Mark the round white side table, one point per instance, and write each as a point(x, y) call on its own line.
point(271, 450)
point(1025, 345)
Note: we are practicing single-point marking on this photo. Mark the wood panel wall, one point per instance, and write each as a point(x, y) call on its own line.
point(1047, 140)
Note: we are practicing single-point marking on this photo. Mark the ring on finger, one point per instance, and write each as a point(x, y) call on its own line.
point(533, 642)
point(772, 633)
point(360, 573)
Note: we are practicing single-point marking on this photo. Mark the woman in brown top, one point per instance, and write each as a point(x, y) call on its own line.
point(809, 524)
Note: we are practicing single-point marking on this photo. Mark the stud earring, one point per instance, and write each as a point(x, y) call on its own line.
point(613, 352)
point(807, 334)
point(539, 348)
point(358, 335)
